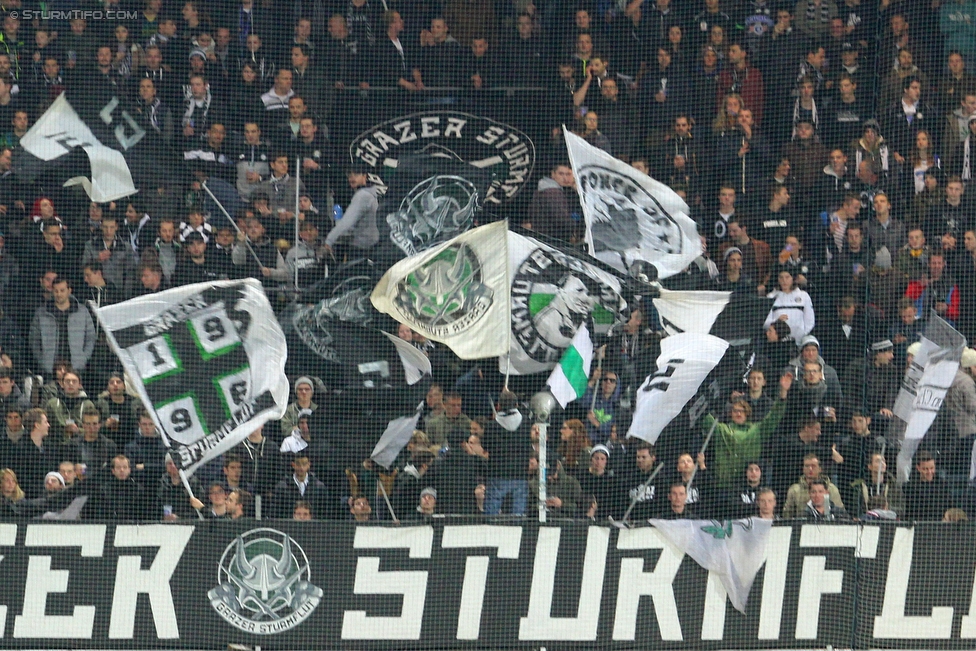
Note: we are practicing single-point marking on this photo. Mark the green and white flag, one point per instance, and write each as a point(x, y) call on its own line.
point(457, 293)
point(569, 378)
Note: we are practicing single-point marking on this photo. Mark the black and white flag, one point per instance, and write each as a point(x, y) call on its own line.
point(630, 216)
point(429, 200)
point(209, 361)
point(686, 360)
point(60, 130)
point(729, 316)
point(554, 291)
point(456, 293)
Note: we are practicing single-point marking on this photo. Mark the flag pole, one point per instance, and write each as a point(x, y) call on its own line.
point(232, 223)
point(186, 485)
point(647, 483)
point(708, 439)
point(386, 498)
point(298, 182)
point(596, 387)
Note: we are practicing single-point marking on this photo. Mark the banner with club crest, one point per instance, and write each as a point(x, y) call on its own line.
point(629, 216)
point(555, 291)
point(456, 293)
point(207, 359)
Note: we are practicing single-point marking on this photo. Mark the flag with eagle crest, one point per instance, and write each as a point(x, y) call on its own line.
point(208, 360)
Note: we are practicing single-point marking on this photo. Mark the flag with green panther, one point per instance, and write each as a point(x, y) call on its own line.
point(456, 293)
point(208, 360)
point(555, 290)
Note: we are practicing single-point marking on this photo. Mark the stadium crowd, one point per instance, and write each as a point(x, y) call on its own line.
point(824, 148)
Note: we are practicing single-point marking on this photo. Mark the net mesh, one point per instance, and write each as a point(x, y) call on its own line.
point(823, 151)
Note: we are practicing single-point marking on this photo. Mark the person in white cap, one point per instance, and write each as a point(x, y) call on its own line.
point(959, 413)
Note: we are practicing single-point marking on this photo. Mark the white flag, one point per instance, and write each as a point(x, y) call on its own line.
point(59, 131)
point(395, 437)
point(686, 360)
point(735, 550)
point(456, 293)
point(685, 311)
point(569, 378)
point(924, 386)
point(630, 216)
point(207, 359)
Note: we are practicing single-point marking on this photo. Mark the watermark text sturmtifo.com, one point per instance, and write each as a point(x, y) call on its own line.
point(74, 14)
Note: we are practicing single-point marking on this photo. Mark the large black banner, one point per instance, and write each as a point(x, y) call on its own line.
point(291, 585)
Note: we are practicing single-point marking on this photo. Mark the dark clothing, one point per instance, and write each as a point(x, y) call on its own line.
point(926, 500)
point(123, 501)
point(175, 496)
point(287, 492)
point(649, 503)
point(605, 488)
point(32, 463)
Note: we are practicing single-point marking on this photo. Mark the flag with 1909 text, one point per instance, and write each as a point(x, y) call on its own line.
point(207, 359)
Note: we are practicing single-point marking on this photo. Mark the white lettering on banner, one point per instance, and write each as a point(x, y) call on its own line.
point(42, 581)
point(774, 582)
point(356, 625)
point(131, 580)
point(816, 580)
point(8, 537)
point(713, 617)
point(636, 583)
point(966, 631)
point(507, 540)
point(539, 624)
point(893, 623)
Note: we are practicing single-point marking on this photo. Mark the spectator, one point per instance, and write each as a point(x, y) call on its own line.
point(62, 328)
point(798, 497)
point(121, 498)
point(359, 219)
point(451, 427)
point(740, 439)
point(301, 485)
point(820, 506)
point(791, 305)
point(926, 494)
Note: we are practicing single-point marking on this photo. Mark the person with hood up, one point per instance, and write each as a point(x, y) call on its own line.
point(871, 147)
point(508, 443)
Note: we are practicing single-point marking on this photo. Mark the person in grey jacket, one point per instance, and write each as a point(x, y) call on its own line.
point(62, 317)
point(359, 220)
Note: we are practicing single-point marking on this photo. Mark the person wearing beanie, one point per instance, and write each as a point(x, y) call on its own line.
point(600, 482)
point(872, 383)
point(304, 390)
